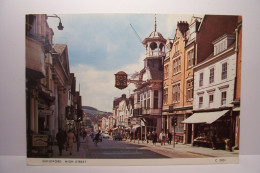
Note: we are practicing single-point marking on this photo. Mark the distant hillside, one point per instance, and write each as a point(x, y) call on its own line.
point(89, 108)
point(94, 111)
point(94, 114)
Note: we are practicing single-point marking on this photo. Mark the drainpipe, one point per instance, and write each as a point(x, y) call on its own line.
point(236, 30)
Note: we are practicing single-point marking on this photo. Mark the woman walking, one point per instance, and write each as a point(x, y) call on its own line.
point(70, 139)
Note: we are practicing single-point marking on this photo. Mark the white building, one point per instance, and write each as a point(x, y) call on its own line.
point(214, 86)
point(214, 79)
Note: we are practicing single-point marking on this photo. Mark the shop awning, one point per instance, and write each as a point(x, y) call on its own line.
point(204, 117)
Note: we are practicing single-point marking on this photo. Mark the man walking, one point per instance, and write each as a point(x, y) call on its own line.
point(60, 140)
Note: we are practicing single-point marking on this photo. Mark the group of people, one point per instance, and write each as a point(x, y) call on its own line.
point(165, 137)
point(153, 137)
point(65, 140)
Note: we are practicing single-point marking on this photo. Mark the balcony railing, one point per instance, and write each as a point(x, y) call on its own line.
point(154, 53)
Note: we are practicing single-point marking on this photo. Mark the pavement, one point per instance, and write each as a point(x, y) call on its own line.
point(192, 149)
point(208, 152)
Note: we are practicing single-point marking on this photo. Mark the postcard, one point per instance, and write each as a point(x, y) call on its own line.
point(133, 89)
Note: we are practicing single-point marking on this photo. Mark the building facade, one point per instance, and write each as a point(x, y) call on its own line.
point(216, 77)
point(48, 84)
point(148, 94)
point(178, 74)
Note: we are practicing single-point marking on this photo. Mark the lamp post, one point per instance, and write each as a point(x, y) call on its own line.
point(60, 27)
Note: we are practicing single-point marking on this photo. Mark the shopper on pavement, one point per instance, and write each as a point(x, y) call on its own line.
point(169, 137)
point(154, 136)
point(70, 139)
point(60, 140)
point(97, 138)
point(162, 137)
point(138, 137)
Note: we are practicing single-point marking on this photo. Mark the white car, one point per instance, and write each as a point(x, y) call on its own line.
point(105, 135)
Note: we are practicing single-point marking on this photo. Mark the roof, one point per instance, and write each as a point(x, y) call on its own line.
point(59, 48)
point(155, 34)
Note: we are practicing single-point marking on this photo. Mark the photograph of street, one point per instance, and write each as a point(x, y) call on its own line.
point(133, 86)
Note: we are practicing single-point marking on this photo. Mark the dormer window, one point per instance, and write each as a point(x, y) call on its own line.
point(222, 43)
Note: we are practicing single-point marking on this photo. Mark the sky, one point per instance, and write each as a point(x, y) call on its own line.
point(100, 45)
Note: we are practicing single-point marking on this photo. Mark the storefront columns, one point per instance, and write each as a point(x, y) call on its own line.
point(184, 130)
point(145, 132)
point(192, 134)
point(51, 122)
point(31, 113)
point(36, 115)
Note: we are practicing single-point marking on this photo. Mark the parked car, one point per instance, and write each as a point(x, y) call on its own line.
point(94, 136)
point(105, 135)
point(117, 136)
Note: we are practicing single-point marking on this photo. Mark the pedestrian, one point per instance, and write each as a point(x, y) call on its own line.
point(97, 138)
point(60, 140)
point(154, 137)
point(131, 136)
point(70, 139)
point(213, 140)
point(138, 137)
point(148, 137)
point(169, 137)
point(162, 137)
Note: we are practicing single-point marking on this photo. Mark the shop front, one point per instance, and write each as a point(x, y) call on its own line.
point(211, 127)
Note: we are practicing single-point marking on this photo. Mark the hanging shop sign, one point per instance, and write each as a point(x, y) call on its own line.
point(121, 80)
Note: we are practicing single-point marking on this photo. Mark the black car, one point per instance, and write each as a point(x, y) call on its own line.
point(117, 136)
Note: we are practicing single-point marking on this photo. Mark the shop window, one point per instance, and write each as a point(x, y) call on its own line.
point(180, 126)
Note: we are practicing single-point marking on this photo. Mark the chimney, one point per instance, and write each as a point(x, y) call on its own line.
point(183, 26)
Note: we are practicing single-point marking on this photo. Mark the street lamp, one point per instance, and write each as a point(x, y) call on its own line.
point(60, 27)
